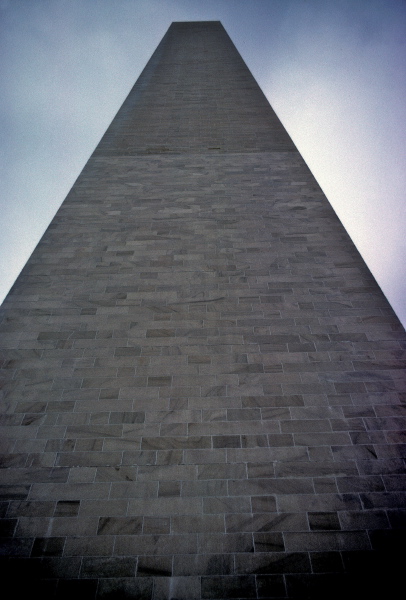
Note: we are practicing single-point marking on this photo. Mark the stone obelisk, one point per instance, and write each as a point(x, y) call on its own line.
point(203, 383)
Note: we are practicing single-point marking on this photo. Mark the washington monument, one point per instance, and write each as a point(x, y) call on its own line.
point(202, 381)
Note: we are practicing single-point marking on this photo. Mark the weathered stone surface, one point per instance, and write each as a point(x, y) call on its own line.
point(203, 385)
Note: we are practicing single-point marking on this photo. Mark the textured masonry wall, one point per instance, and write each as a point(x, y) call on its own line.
point(203, 385)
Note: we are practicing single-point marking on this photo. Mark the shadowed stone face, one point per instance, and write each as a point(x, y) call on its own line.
point(203, 384)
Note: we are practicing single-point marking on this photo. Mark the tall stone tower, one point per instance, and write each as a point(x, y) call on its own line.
point(203, 383)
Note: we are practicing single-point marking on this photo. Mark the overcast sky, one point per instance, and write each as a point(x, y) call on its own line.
point(333, 70)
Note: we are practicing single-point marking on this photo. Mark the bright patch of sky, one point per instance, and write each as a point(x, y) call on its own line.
point(333, 70)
